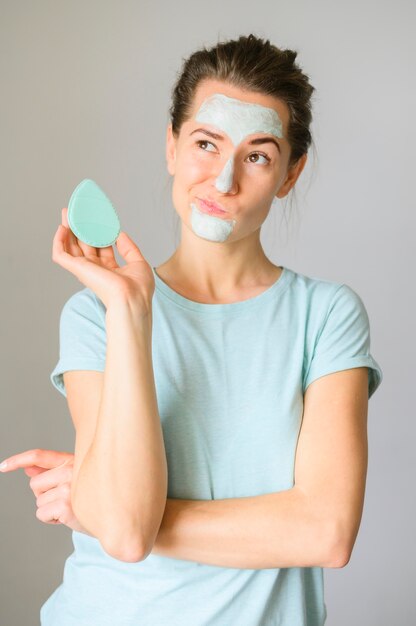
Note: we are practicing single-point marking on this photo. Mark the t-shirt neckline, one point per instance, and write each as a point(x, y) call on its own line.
point(229, 307)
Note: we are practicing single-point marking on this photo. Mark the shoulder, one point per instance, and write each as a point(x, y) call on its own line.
point(320, 295)
point(83, 311)
point(85, 301)
point(337, 330)
point(85, 298)
point(324, 304)
point(82, 336)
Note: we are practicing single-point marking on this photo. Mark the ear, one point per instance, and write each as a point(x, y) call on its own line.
point(292, 176)
point(170, 150)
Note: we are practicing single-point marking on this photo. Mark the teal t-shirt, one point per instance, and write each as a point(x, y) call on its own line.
point(230, 380)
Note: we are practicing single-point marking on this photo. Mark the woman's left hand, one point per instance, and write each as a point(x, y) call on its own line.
point(51, 476)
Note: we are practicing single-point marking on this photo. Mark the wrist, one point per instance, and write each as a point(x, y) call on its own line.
point(122, 306)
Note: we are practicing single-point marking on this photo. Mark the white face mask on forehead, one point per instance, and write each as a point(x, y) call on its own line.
point(237, 119)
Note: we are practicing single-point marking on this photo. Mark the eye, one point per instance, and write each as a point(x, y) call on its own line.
point(255, 154)
point(268, 159)
point(200, 141)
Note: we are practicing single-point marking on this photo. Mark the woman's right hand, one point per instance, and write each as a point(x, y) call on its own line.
point(98, 269)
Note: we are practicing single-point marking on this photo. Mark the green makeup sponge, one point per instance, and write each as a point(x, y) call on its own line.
point(91, 216)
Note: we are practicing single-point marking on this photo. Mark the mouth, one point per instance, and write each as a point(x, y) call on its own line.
point(210, 207)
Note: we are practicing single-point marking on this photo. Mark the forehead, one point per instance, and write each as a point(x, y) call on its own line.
point(238, 112)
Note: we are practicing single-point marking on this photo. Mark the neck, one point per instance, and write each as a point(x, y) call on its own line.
point(218, 271)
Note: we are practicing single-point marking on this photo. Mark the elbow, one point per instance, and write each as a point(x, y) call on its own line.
point(128, 543)
point(128, 553)
point(339, 552)
point(339, 558)
point(123, 548)
point(128, 546)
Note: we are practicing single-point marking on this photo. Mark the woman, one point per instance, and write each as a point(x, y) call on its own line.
point(219, 401)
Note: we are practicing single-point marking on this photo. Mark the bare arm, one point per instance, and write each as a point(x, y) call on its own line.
point(272, 530)
point(313, 524)
point(316, 522)
point(120, 490)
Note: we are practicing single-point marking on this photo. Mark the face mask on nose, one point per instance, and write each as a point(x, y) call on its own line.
point(238, 119)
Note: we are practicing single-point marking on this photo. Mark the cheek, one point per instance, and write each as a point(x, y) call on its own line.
point(195, 165)
point(190, 172)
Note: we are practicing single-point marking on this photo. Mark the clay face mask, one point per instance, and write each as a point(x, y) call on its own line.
point(237, 119)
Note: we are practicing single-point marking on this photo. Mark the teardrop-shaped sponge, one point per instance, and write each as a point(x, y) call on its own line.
point(91, 216)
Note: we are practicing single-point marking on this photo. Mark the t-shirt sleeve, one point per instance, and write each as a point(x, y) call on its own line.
point(82, 336)
point(344, 340)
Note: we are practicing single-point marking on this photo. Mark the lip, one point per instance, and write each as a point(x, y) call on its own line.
point(210, 207)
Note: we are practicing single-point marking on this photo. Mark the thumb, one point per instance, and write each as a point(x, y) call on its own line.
point(128, 249)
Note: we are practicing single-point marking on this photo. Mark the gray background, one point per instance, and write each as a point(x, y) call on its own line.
point(85, 91)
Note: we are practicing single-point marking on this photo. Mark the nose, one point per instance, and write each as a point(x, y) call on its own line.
point(225, 181)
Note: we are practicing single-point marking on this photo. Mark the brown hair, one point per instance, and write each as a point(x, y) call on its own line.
point(253, 64)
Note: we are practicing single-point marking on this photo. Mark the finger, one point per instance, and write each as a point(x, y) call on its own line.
point(71, 241)
point(89, 272)
point(37, 456)
point(64, 216)
point(76, 265)
point(128, 249)
point(61, 249)
point(105, 254)
point(51, 513)
point(87, 250)
point(51, 478)
point(59, 492)
point(107, 257)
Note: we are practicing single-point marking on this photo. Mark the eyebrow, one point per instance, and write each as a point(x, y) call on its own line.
point(253, 142)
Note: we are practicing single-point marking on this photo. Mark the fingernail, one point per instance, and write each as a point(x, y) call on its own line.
point(3, 465)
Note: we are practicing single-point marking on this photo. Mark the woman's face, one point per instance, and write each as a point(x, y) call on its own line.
point(239, 177)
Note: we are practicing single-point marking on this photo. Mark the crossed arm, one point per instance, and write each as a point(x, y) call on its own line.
point(266, 531)
point(315, 523)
